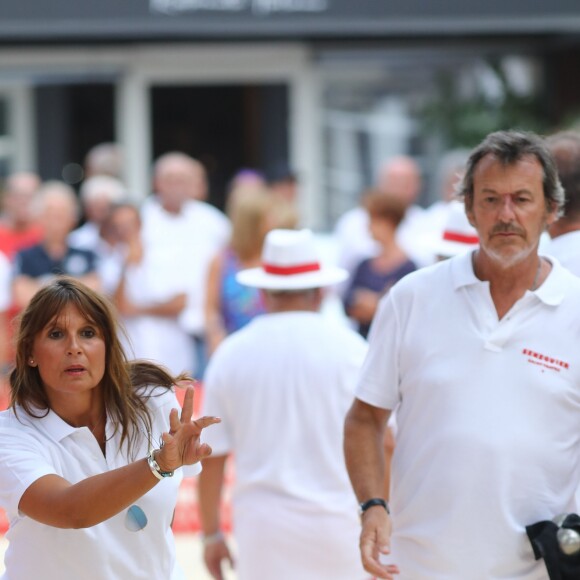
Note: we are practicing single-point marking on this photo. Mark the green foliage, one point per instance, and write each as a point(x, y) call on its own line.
point(464, 122)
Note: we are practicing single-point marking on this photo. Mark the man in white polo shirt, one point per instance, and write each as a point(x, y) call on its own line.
point(282, 386)
point(478, 354)
point(565, 233)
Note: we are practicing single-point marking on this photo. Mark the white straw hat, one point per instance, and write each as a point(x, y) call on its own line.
point(290, 262)
point(458, 235)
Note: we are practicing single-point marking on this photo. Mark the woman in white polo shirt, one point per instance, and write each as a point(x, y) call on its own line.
point(90, 445)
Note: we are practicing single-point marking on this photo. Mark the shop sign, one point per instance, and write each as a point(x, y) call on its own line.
point(258, 7)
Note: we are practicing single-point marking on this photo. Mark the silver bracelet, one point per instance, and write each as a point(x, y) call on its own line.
point(212, 538)
point(154, 466)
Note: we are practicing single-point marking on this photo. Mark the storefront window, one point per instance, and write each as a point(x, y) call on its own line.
point(380, 104)
point(6, 140)
point(3, 117)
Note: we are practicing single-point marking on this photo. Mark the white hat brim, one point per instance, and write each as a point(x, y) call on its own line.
point(449, 248)
point(258, 278)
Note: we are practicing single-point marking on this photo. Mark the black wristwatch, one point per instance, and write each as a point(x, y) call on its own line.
point(365, 505)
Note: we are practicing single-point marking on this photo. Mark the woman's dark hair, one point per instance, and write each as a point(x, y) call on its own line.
point(123, 381)
point(383, 205)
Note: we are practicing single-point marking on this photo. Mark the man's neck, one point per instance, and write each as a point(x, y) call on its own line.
point(56, 249)
point(564, 226)
point(509, 283)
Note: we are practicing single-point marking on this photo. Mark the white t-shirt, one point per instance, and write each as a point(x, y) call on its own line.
point(180, 248)
point(488, 414)
point(5, 283)
point(33, 448)
point(567, 249)
point(158, 338)
point(282, 387)
point(86, 237)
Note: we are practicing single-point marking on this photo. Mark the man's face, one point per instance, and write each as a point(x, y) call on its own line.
point(401, 178)
point(97, 209)
point(57, 218)
point(509, 208)
point(179, 180)
point(174, 184)
point(126, 224)
point(19, 197)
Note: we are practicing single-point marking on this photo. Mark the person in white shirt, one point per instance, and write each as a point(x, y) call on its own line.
point(565, 232)
point(92, 447)
point(98, 195)
point(282, 386)
point(400, 177)
point(181, 235)
point(448, 174)
point(457, 235)
point(57, 209)
point(477, 355)
point(150, 307)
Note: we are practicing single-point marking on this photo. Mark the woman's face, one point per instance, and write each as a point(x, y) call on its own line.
point(70, 355)
point(126, 223)
point(381, 229)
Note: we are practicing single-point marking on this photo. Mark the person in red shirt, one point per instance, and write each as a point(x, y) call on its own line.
point(19, 230)
point(18, 226)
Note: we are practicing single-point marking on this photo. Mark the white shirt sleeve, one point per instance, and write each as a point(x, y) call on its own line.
point(379, 379)
point(23, 460)
point(214, 404)
point(5, 283)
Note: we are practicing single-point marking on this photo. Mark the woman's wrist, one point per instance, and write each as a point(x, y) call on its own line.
point(162, 461)
point(157, 468)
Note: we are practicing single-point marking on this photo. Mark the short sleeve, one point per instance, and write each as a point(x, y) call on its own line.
point(23, 460)
point(217, 436)
point(379, 379)
point(5, 283)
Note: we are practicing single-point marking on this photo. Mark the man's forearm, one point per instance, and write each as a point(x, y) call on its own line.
point(363, 449)
point(210, 491)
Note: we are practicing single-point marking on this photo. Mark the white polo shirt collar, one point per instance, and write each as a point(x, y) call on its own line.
point(551, 292)
point(51, 424)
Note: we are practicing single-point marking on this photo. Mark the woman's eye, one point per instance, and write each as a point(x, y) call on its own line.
point(88, 333)
point(55, 334)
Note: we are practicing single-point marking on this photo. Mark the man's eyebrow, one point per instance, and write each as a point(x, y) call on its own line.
point(517, 192)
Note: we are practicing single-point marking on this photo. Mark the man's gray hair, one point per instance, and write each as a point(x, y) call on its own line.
point(509, 147)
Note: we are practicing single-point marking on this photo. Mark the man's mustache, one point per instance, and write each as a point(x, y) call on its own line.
point(502, 228)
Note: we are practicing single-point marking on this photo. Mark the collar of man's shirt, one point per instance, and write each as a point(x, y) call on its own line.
point(551, 292)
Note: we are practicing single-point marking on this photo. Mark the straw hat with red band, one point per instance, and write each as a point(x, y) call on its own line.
point(459, 235)
point(290, 261)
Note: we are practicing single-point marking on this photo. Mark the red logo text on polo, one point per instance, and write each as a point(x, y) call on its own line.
point(545, 360)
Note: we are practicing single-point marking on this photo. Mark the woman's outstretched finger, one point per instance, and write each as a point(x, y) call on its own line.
point(174, 422)
point(187, 407)
point(204, 422)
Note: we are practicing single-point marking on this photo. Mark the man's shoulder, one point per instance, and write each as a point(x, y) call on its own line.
point(202, 208)
point(75, 250)
point(352, 218)
point(289, 336)
point(427, 279)
point(564, 279)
